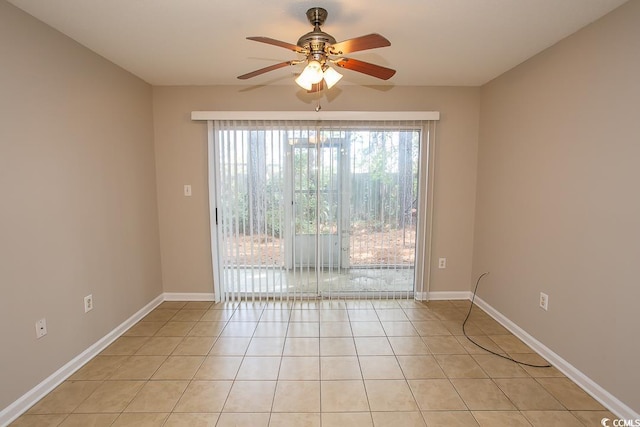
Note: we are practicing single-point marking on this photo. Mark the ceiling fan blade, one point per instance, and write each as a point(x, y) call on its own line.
point(278, 43)
point(370, 41)
point(366, 68)
point(265, 70)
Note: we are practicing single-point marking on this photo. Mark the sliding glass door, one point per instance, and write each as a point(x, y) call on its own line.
point(307, 210)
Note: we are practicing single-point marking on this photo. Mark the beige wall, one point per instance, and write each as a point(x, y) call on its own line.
point(78, 208)
point(557, 206)
point(181, 158)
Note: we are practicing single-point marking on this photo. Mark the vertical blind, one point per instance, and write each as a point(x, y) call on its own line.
point(308, 209)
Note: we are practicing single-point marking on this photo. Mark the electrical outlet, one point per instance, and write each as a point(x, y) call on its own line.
point(88, 303)
point(41, 328)
point(544, 301)
point(442, 263)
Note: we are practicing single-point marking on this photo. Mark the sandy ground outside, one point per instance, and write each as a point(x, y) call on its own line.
point(367, 247)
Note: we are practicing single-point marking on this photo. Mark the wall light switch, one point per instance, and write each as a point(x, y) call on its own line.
point(187, 190)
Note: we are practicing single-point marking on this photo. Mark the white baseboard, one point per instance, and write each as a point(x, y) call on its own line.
point(445, 295)
point(30, 398)
point(608, 400)
point(177, 296)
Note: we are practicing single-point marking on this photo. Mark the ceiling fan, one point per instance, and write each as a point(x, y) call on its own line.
point(320, 50)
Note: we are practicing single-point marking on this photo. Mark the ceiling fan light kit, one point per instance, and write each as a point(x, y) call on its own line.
point(321, 49)
point(314, 73)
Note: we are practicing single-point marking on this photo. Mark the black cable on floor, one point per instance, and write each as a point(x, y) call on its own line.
point(486, 349)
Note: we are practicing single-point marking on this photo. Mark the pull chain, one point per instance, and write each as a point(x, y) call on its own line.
point(318, 107)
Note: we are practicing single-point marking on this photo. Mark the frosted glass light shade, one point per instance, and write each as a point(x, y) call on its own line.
point(331, 77)
point(311, 75)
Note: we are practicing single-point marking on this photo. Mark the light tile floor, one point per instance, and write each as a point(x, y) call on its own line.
point(314, 363)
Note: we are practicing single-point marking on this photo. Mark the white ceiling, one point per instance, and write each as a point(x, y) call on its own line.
point(202, 42)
